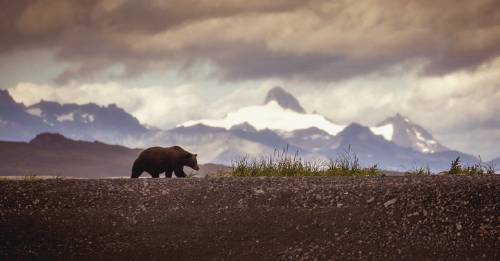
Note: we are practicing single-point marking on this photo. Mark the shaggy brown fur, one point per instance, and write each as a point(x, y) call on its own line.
point(157, 160)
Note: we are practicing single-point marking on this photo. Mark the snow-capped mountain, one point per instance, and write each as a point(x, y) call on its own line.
point(403, 132)
point(86, 122)
point(376, 149)
point(15, 123)
point(395, 143)
point(254, 131)
point(281, 111)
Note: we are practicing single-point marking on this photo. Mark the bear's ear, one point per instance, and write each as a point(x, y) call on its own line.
point(195, 155)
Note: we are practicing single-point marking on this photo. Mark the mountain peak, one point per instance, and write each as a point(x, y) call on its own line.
point(397, 118)
point(408, 134)
point(5, 98)
point(48, 138)
point(355, 129)
point(284, 99)
point(245, 126)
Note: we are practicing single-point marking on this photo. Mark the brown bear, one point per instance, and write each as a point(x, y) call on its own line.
point(157, 160)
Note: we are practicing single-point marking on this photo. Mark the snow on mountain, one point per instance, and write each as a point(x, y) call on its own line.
point(270, 116)
point(282, 113)
point(35, 112)
point(375, 149)
point(404, 132)
point(87, 122)
point(387, 131)
point(66, 117)
point(88, 118)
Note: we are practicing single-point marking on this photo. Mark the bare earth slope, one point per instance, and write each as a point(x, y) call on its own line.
point(386, 218)
point(65, 157)
point(50, 154)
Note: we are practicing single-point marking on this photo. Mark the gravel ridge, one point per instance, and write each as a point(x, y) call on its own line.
point(229, 218)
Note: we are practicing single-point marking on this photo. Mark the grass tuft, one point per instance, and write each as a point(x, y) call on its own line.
point(283, 164)
point(419, 172)
point(456, 169)
point(478, 169)
point(31, 178)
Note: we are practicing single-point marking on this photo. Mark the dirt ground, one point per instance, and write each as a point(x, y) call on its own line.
point(309, 218)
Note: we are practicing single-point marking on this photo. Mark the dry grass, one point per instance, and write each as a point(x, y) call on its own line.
point(283, 164)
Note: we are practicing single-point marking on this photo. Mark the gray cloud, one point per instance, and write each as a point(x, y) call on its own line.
point(312, 40)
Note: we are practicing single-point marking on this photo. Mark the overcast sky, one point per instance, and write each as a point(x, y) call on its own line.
point(437, 62)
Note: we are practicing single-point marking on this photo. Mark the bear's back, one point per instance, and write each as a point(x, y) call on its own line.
point(174, 152)
point(151, 156)
point(161, 155)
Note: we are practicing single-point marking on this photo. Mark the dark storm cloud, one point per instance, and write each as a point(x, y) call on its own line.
point(311, 40)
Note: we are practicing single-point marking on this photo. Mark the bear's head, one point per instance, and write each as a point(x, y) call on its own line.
point(191, 161)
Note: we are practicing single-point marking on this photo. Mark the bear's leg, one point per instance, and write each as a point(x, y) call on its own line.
point(179, 172)
point(168, 174)
point(155, 175)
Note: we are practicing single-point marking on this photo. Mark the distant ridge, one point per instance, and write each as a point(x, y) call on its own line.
point(52, 154)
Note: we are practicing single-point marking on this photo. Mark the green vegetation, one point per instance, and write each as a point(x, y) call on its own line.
point(419, 172)
point(478, 169)
point(456, 169)
point(282, 164)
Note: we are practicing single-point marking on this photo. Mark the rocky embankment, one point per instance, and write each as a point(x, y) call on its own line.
point(383, 218)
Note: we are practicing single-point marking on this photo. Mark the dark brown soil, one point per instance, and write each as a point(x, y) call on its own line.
point(316, 218)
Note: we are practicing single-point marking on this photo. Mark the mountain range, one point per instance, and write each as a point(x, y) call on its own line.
point(279, 122)
point(86, 122)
